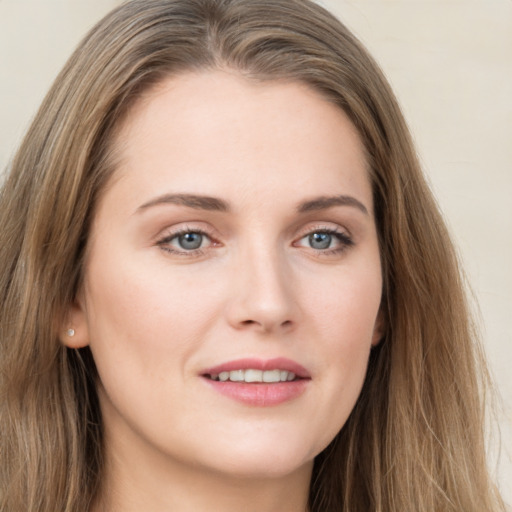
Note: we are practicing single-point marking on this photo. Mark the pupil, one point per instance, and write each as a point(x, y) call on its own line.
point(320, 240)
point(190, 241)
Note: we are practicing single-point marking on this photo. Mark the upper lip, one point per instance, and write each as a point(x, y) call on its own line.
point(277, 363)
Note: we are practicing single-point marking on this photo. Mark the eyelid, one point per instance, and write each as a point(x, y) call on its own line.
point(323, 227)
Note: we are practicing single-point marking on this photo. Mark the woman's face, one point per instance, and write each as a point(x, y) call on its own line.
point(236, 241)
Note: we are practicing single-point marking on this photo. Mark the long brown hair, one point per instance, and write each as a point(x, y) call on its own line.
point(414, 441)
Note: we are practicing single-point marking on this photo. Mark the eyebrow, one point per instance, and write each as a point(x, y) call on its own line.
point(199, 202)
point(192, 201)
point(324, 202)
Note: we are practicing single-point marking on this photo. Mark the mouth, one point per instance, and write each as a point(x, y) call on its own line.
point(257, 382)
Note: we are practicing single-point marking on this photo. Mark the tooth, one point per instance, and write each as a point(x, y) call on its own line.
point(271, 376)
point(236, 375)
point(253, 375)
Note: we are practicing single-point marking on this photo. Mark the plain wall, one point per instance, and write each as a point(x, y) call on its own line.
point(450, 63)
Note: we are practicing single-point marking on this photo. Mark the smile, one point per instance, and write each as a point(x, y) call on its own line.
point(254, 375)
point(258, 382)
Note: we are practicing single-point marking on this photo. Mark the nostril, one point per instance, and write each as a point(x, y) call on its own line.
point(264, 325)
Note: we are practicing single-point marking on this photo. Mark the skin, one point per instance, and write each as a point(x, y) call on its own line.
point(155, 314)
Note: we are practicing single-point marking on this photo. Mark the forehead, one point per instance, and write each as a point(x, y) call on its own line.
point(218, 128)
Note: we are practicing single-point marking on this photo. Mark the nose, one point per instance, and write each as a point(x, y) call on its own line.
point(263, 297)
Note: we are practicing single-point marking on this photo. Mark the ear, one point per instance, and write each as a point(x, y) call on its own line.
point(74, 331)
point(379, 328)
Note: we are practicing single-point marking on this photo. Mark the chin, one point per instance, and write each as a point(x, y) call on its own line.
point(269, 458)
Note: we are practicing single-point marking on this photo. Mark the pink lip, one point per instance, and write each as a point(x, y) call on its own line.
point(260, 394)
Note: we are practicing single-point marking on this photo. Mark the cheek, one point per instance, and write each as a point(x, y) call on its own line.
point(144, 327)
point(137, 301)
point(142, 322)
point(345, 316)
point(348, 333)
point(348, 305)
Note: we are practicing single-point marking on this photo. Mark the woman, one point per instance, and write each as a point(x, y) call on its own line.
point(225, 282)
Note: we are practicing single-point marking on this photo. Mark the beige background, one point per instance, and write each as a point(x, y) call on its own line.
point(450, 63)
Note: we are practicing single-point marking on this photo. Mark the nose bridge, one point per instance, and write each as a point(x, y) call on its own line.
point(263, 295)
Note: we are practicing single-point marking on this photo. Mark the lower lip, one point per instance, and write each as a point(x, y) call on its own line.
point(260, 394)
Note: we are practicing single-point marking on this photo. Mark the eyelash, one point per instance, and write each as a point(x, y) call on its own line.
point(345, 241)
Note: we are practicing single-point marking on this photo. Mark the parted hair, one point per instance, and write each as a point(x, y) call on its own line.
point(415, 439)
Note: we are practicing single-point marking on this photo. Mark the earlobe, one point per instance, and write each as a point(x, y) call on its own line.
point(74, 331)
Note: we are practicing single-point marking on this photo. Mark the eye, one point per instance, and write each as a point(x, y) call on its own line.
point(325, 241)
point(185, 241)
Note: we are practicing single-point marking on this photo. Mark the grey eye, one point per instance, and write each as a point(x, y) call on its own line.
point(190, 241)
point(320, 240)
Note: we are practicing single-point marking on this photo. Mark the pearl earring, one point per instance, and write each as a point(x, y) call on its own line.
point(70, 332)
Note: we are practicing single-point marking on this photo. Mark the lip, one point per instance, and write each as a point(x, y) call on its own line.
point(260, 394)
